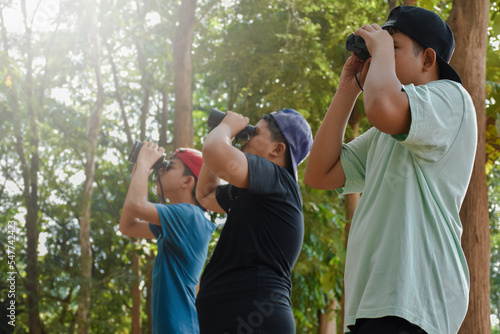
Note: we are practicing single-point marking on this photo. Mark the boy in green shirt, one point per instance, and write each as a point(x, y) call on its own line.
point(405, 268)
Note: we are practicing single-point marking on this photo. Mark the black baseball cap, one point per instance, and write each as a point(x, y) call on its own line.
point(428, 29)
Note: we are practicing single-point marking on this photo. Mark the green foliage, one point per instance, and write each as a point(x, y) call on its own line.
point(318, 273)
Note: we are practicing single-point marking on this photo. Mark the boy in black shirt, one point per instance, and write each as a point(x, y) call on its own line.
point(247, 284)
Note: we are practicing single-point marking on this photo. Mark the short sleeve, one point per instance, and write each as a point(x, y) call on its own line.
point(173, 218)
point(267, 177)
point(155, 229)
point(437, 112)
point(266, 180)
point(225, 195)
point(353, 158)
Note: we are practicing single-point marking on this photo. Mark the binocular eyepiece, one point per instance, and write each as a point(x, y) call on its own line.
point(217, 116)
point(357, 45)
point(134, 153)
point(214, 119)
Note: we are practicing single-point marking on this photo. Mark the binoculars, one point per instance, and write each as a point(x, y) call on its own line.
point(214, 119)
point(217, 116)
point(357, 45)
point(159, 164)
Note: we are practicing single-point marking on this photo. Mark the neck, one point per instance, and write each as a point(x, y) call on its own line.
point(278, 160)
point(183, 197)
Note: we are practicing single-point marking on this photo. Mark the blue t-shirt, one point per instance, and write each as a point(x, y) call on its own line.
point(182, 241)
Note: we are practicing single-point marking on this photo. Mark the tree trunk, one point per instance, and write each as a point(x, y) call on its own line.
point(150, 259)
point(328, 320)
point(183, 76)
point(93, 128)
point(31, 195)
point(136, 294)
point(469, 22)
point(29, 170)
point(119, 96)
point(163, 118)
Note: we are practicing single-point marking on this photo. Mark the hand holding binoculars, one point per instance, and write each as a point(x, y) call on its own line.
point(357, 45)
point(217, 116)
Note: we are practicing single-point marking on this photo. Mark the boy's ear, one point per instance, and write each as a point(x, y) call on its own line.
point(278, 149)
point(430, 60)
point(189, 181)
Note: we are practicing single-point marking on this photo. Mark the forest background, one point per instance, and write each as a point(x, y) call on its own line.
point(82, 80)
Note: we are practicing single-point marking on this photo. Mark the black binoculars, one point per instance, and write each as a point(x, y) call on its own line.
point(159, 164)
point(216, 116)
point(357, 45)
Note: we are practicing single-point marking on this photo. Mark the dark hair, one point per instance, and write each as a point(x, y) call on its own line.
point(277, 135)
point(188, 172)
point(417, 47)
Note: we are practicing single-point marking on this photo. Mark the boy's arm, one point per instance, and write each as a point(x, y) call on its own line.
point(386, 104)
point(324, 170)
point(205, 190)
point(221, 160)
point(134, 227)
point(137, 210)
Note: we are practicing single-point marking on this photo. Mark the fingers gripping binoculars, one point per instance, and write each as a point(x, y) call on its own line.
point(134, 153)
point(357, 45)
point(217, 116)
point(214, 119)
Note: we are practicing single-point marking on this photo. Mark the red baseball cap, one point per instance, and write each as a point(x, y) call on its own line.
point(191, 158)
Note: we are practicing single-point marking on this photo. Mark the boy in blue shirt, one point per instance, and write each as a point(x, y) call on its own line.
point(181, 229)
point(405, 269)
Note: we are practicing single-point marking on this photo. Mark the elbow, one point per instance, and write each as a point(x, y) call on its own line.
point(387, 122)
point(310, 180)
point(311, 174)
point(128, 218)
point(333, 178)
point(388, 115)
point(123, 226)
point(135, 208)
point(200, 196)
point(212, 151)
point(311, 183)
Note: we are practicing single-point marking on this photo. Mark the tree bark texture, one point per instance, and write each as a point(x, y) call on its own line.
point(328, 320)
point(136, 293)
point(183, 76)
point(93, 129)
point(29, 169)
point(469, 22)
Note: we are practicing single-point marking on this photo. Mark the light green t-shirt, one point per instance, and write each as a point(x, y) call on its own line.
point(404, 256)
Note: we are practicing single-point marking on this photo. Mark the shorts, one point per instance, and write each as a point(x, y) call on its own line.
point(385, 325)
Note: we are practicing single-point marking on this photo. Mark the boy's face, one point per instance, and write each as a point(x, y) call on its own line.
point(171, 178)
point(261, 142)
point(408, 65)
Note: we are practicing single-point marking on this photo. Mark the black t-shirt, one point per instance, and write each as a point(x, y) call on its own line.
point(258, 246)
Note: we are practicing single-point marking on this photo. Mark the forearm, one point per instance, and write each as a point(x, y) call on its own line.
point(223, 159)
point(137, 195)
point(216, 145)
point(133, 227)
point(381, 82)
point(385, 103)
point(327, 145)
